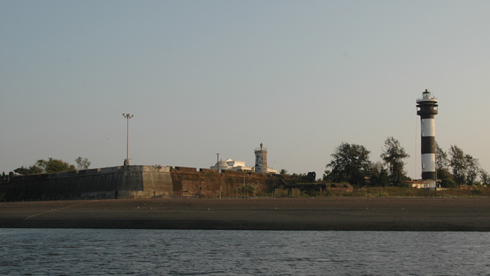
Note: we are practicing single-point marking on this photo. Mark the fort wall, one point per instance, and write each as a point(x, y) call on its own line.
point(128, 182)
point(103, 183)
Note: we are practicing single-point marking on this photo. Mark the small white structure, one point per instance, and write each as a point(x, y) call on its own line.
point(420, 184)
point(231, 165)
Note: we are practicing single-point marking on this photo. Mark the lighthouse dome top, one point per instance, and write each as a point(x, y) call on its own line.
point(427, 97)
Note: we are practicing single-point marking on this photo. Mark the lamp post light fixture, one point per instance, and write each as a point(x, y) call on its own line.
point(127, 116)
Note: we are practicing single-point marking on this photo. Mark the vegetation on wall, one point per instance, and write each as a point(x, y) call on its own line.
point(82, 163)
point(53, 166)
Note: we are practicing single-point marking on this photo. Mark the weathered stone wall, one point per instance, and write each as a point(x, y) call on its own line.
point(114, 182)
point(139, 182)
point(96, 183)
point(189, 182)
point(145, 182)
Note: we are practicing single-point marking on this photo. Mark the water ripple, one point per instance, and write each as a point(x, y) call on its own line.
point(204, 252)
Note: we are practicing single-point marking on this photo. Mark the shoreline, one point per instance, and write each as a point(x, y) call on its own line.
point(338, 214)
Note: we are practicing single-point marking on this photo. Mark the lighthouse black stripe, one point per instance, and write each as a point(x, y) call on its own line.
point(428, 144)
point(428, 175)
point(427, 109)
point(426, 116)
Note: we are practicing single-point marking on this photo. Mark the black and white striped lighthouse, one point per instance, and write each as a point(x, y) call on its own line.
point(427, 109)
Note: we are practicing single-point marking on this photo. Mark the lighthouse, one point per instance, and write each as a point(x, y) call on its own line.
point(427, 109)
point(261, 159)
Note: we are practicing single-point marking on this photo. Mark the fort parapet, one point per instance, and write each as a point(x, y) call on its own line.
point(103, 183)
point(128, 182)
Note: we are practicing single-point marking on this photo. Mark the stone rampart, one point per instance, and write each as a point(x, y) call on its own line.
point(139, 182)
point(113, 182)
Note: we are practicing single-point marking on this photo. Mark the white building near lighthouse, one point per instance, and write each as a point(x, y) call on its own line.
point(231, 165)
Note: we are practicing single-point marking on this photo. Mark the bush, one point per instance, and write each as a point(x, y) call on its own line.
point(448, 183)
point(347, 194)
point(476, 192)
point(404, 185)
point(311, 194)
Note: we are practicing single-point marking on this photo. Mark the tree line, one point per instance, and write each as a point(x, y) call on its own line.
point(455, 168)
point(350, 163)
point(53, 166)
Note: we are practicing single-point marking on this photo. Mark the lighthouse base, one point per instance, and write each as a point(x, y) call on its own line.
point(430, 184)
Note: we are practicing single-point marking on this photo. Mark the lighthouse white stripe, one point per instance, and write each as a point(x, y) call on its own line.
point(428, 162)
point(428, 127)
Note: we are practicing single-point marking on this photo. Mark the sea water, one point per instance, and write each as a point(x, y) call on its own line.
point(210, 252)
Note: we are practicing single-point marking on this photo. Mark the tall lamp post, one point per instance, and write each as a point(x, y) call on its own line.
point(127, 116)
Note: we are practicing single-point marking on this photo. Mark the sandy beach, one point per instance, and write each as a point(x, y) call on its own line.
point(357, 214)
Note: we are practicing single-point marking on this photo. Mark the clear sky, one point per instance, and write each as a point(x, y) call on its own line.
point(203, 77)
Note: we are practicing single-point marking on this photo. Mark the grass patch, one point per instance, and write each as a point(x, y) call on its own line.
point(373, 192)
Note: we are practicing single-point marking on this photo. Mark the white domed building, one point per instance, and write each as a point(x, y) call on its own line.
point(231, 165)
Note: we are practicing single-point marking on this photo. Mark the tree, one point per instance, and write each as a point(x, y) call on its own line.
point(484, 177)
point(472, 169)
point(350, 162)
point(82, 164)
point(448, 183)
point(465, 167)
point(446, 178)
point(393, 155)
point(55, 165)
point(28, 171)
point(326, 174)
point(457, 163)
point(46, 166)
point(283, 171)
point(442, 168)
point(379, 175)
point(442, 162)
